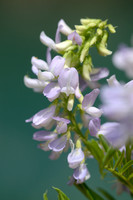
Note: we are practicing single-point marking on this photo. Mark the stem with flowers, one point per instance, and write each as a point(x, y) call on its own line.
point(68, 123)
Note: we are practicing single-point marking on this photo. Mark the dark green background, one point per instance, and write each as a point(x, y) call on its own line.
point(25, 171)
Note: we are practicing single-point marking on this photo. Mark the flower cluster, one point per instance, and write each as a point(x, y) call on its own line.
point(62, 79)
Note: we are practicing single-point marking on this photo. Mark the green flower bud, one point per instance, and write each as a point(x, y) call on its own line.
point(70, 102)
point(62, 46)
point(93, 40)
point(84, 51)
point(99, 31)
point(102, 24)
point(88, 20)
point(111, 28)
point(87, 67)
point(103, 51)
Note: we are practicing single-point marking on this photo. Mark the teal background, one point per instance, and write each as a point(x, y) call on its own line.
point(25, 171)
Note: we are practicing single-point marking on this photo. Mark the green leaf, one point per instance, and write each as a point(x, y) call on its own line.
point(126, 166)
point(61, 195)
point(119, 161)
point(96, 151)
point(106, 194)
point(45, 196)
point(103, 142)
point(108, 156)
point(89, 193)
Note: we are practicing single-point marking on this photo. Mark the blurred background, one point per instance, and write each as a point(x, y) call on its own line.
point(25, 171)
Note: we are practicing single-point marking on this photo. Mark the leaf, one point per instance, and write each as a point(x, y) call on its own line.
point(61, 195)
point(88, 192)
point(108, 156)
point(106, 194)
point(45, 196)
point(126, 166)
point(103, 142)
point(96, 151)
point(119, 161)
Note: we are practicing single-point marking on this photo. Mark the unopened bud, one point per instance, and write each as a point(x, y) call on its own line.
point(88, 20)
point(84, 51)
point(70, 102)
point(102, 24)
point(78, 144)
point(111, 28)
point(99, 31)
point(103, 51)
point(62, 46)
point(87, 66)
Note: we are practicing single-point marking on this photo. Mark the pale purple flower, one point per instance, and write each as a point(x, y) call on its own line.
point(39, 64)
point(75, 37)
point(112, 81)
point(35, 84)
point(44, 135)
point(95, 75)
point(81, 173)
point(58, 144)
point(64, 28)
point(118, 106)
point(94, 126)
point(43, 118)
point(75, 158)
point(47, 41)
point(123, 59)
point(69, 81)
point(61, 124)
point(87, 104)
point(52, 91)
point(98, 74)
point(56, 65)
point(117, 101)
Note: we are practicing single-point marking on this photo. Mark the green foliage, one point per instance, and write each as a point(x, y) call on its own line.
point(88, 192)
point(61, 195)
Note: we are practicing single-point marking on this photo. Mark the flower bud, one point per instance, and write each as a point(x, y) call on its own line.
point(87, 65)
point(62, 46)
point(111, 28)
point(70, 102)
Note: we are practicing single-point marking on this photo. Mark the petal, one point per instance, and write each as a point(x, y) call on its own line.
point(65, 29)
point(47, 40)
point(94, 126)
point(75, 158)
point(44, 135)
point(48, 55)
point(45, 76)
point(61, 127)
point(52, 91)
point(94, 112)
point(57, 65)
point(75, 37)
point(98, 73)
point(112, 81)
point(60, 119)
point(40, 64)
point(44, 117)
point(66, 81)
point(81, 173)
point(34, 70)
point(58, 35)
point(34, 84)
point(114, 133)
point(58, 144)
point(90, 98)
